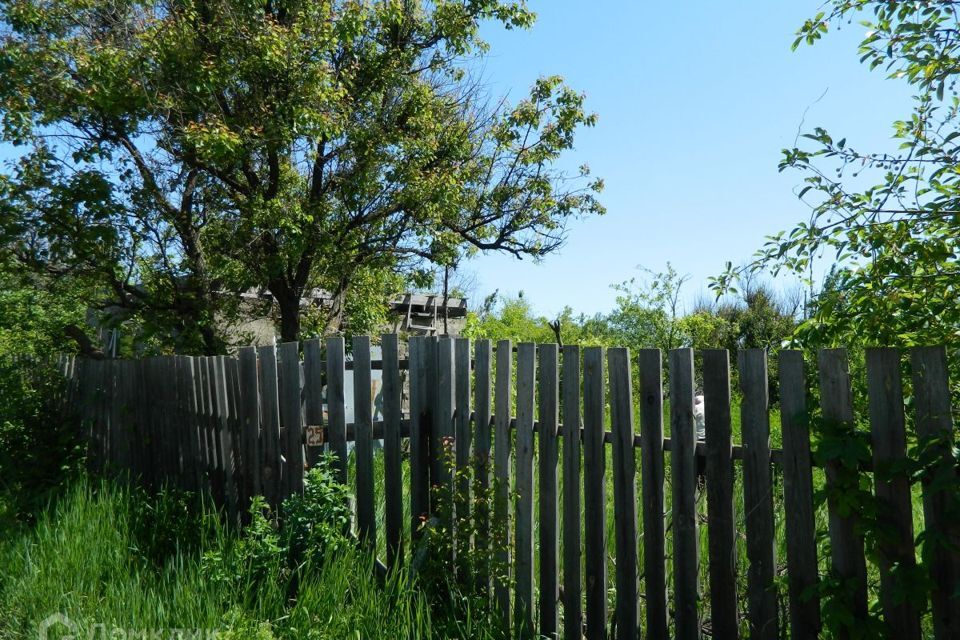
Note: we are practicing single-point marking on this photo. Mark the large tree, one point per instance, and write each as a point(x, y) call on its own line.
point(182, 151)
point(890, 221)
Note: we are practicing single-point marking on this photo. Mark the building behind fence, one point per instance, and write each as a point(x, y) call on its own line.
point(539, 417)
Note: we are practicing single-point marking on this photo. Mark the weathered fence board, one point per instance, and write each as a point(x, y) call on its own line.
point(931, 397)
point(481, 470)
point(501, 474)
point(363, 433)
point(846, 543)
point(798, 499)
point(624, 472)
point(758, 495)
point(523, 521)
point(419, 437)
point(572, 548)
point(683, 468)
point(549, 522)
point(721, 525)
point(291, 417)
point(270, 421)
point(887, 426)
point(312, 395)
point(392, 469)
point(250, 425)
point(652, 485)
point(335, 405)
point(594, 493)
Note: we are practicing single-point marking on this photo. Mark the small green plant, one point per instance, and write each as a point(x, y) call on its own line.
point(312, 526)
point(317, 522)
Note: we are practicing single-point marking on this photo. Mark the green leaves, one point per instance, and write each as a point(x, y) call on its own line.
point(188, 151)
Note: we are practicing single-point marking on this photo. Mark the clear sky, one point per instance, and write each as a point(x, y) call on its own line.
point(695, 102)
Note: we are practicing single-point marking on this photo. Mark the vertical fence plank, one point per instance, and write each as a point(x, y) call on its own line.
point(572, 547)
point(213, 443)
point(624, 492)
point(250, 425)
point(183, 385)
point(888, 431)
point(336, 410)
point(117, 438)
point(523, 564)
point(442, 441)
point(758, 494)
point(798, 499)
point(931, 392)
point(594, 492)
point(419, 436)
point(651, 484)
point(128, 380)
point(217, 487)
point(236, 412)
point(501, 473)
point(549, 517)
point(200, 396)
point(363, 435)
point(270, 420)
point(226, 440)
point(846, 543)
point(392, 472)
point(441, 435)
point(312, 395)
point(481, 473)
point(291, 415)
point(683, 466)
point(462, 435)
point(721, 525)
point(153, 452)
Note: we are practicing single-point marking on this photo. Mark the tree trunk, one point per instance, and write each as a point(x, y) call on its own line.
point(289, 303)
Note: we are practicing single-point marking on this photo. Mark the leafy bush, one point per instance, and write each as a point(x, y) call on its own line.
point(40, 442)
point(313, 526)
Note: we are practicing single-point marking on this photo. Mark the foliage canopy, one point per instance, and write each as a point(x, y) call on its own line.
point(179, 152)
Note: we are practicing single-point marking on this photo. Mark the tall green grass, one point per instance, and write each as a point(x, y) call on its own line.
point(105, 554)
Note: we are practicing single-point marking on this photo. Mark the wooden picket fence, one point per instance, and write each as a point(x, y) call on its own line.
point(239, 426)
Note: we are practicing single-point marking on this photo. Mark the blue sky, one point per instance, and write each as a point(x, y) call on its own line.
point(696, 101)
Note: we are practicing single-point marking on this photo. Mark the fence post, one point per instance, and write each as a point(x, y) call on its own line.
point(335, 405)
point(481, 474)
point(651, 484)
point(885, 393)
point(363, 438)
point(501, 473)
point(572, 547)
point(758, 494)
point(419, 436)
point(684, 470)
point(392, 471)
point(594, 493)
point(523, 564)
point(462, 439)
point(624, 493)
point(931, 391)
point(270, 433)
point(312, 395)
point(291, 416)
point(845, 542)
point(549, 517)
point(224, 417)
point(798, 499)
point(721, 524)
point(250, 422)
